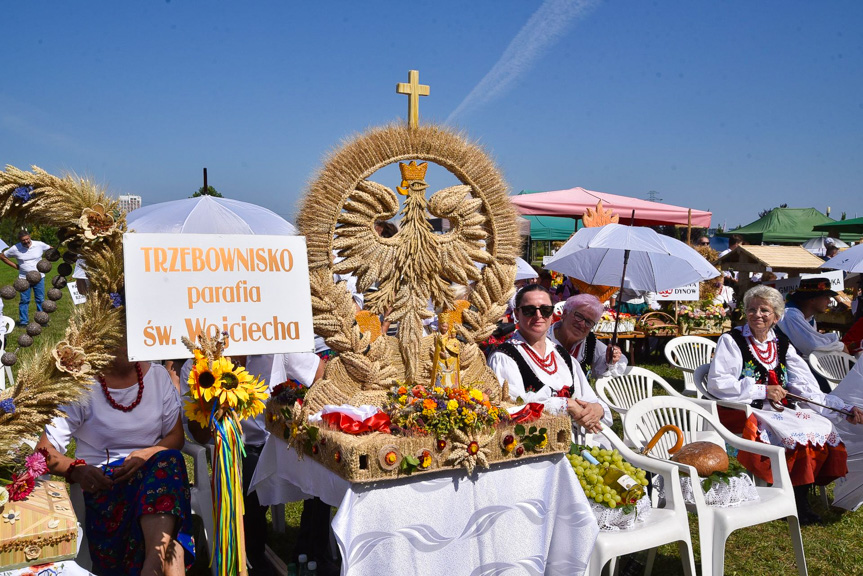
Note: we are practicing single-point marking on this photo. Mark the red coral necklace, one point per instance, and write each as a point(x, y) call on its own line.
point(768, 356)
point(547, 365)
point(134, 404)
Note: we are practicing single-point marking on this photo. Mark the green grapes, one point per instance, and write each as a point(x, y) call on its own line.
point(590, 476)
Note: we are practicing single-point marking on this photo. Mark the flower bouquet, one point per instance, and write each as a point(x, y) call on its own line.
point(221, 394)
point(438, 411)
point(701, 316)
point(17, 482)
point(606, 322)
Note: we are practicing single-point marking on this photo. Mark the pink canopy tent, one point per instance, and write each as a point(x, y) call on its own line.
point(575, 201)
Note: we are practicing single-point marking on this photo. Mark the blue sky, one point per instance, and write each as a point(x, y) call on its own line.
point(726, 106)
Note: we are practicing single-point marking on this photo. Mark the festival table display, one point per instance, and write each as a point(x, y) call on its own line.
point(397, 430)
point(414, 403)
point(433, 523)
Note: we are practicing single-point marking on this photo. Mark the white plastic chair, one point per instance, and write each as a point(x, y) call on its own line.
point(201, 501)
point(834, 366)
point(687, 353)
point(700, 380)
point(7, 324)
point(715, 524)
point(664, 525)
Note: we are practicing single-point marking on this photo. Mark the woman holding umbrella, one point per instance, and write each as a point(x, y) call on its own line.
point(755, 364)
point(538, 370)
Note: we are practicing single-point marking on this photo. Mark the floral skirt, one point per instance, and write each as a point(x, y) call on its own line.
point(113, 516)
point(809, 463)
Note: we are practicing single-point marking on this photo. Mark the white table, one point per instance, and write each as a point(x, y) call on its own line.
point(529, 517)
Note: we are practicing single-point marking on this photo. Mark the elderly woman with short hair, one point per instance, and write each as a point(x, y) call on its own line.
point(574, 332)
point(755, 364)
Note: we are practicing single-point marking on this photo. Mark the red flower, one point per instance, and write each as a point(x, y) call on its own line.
point(164, 503)
point(117, 512)
point(21, 486)
point(161, 473)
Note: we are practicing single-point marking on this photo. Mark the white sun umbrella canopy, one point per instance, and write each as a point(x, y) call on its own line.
point(850, 260)
point(524, 271)
point(818, 246)
point(208, 215)
point(656, 262)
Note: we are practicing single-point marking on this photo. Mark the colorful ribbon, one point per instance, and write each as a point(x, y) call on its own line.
point(527, 414)
point(379, 422)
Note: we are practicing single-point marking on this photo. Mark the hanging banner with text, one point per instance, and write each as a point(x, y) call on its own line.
point(684, 293)
point(788, 285)
point(254, 288)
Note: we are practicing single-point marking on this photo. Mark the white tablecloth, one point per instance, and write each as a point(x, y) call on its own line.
point(64, 568)
point(526, 518)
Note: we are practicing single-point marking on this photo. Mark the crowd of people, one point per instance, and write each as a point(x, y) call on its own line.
point(130, 427)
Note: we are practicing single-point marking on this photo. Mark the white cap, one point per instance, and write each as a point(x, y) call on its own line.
point(313, 565)
point(302, 558)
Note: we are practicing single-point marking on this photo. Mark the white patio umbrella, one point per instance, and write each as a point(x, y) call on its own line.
point(818, 246)
point(655, 262)
point(524, 271)
point(848, 491)
point(208, 215)
point(850, 260)
point(632, 257)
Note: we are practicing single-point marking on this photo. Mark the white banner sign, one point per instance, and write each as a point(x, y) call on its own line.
point(254, 288)
point(684, 293)
point(77, 297)
point(788, 285)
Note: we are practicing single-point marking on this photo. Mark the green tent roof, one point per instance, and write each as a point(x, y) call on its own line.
point(549, 227)
point(852, 227)
point(785, 226)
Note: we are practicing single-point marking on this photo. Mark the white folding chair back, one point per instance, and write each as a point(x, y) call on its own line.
point(664, 525)
point(834, 366)
point(7, 324)
point(624, 391)
point(715, 524)
point(688, 353)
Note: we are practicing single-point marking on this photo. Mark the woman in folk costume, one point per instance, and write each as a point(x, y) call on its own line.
point(575, 333)
point(755, 364)
point(538, 370)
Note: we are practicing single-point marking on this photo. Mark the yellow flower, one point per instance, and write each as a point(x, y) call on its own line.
point(469, 417)
point(452, 405)
point(476, 394)
point(403, 399)
point(438, 390)
point(194, 414)
point(544, 442)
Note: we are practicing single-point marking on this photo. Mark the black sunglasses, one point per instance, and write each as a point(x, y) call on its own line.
point(546, 310)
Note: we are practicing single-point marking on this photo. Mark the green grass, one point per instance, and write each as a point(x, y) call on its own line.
point(833, 548)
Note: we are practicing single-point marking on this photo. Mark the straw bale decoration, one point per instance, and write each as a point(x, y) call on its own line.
point(411, 268)
point(89, 226)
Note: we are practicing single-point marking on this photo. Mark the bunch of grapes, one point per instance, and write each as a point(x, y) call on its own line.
point(591, 476)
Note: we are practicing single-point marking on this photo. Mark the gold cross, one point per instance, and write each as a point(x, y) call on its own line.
point(414, 90)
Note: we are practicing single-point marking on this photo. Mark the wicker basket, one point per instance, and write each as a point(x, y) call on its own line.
point(657, 324)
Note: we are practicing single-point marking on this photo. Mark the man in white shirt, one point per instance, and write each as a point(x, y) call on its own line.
point(28, 253)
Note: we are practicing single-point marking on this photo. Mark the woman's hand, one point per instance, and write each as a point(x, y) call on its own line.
point(132, 462)
point(91, 478)
point(586, 414)
point(613, 354)
point(776, 393)
point(857, 417)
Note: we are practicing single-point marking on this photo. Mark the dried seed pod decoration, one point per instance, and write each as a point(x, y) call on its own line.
point(20, 284)
point(64, 269)
point(54, 294)
point(43, 266)
point(59, 281)
point(41, 316)
point(34, 329)
point(33, 277)
point(7, 292)
point(51, 254)
point(25, 340)
point(49, 306)
point(8, 359)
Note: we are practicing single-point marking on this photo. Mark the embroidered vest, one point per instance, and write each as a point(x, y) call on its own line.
point(752, 367)
point(531, 381)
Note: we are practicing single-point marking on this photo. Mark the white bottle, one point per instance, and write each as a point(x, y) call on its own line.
point(312, 569)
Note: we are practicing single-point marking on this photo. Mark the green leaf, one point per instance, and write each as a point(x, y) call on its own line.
point(312, 431)
point(519, 430)
point(531, 430)
point(573, 448)
point(543, 431)
point(706, 484)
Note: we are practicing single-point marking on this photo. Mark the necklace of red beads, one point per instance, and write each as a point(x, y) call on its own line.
point(547, 365)
point(134, 404)
point(766, 357)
